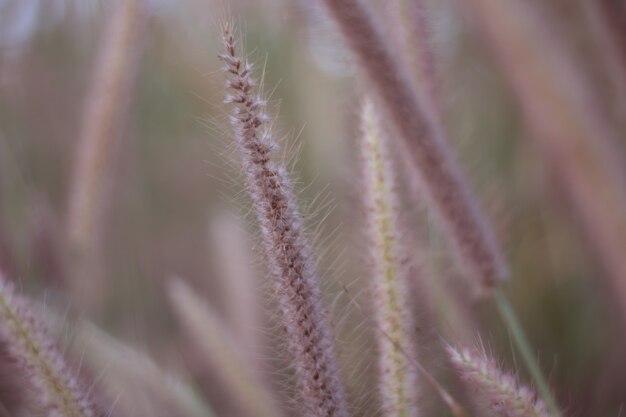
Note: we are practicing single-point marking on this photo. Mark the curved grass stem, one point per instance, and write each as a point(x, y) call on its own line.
point(523, 346)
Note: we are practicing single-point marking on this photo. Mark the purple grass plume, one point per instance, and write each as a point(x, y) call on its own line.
point(290, 257)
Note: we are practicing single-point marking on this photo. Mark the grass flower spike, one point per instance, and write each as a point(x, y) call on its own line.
point(496, 392)
point(397, 383)
point(60, 391)
point(287, 250)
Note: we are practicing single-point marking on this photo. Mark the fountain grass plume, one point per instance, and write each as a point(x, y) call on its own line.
point(60, 391)
point(309, 337)
point(424, 140)
point(495, 392)
point(397, 379)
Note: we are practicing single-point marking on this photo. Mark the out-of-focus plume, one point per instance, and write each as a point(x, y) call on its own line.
point(410, 29)
point(576, 138)
point(607, 31)
point(45, 235)
point(205, 330)
point(129, 378)
point(397, 379)
point(424, 140)
point(238, 279)
point(107, 103)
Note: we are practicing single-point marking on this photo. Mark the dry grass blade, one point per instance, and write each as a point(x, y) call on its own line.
point(605, 20)
point(238, 278)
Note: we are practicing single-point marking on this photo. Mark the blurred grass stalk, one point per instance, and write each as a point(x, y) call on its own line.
point(108, 102)
point(410, 27)
point(240, 289)
point(600, 17)
point(205, 329)
point(130, 377)
point(398, 384)
point(494, 391)
point(576, 138)
point(411, 30)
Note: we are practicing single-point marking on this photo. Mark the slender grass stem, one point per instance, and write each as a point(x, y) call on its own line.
point(523, 346)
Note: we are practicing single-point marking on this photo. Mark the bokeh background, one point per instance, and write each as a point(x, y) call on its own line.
point(170, 203)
